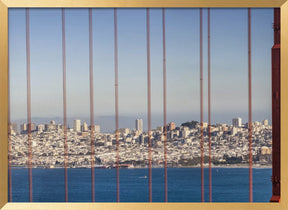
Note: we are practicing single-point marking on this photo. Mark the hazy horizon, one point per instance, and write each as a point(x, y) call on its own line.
point(107, 123)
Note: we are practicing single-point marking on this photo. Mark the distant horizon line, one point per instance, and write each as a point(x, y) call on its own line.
point(81, 118)
point(107, 122)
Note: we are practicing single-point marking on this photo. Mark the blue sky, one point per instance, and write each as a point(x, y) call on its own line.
point(228, 63)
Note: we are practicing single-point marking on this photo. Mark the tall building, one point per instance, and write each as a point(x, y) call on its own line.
point(96, 128)
point(77, 125)
point(84, 127)
point(171, 126)
point(237, 122)
point(14, 127)
point(33, 126)
point(124, 130)
point(51, 126)
point(139, 125)
point(23, 128)
point(58, 127)
point(265, 122)
point(205, 124)
point(40, 128)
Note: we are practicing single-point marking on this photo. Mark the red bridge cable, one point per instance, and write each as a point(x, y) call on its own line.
point(149, 102)
point(116, 104)
point(91, 106)
point(250, 107)
point(201, 105)
point(64, 105)
point(9, 136)
point(209, 108)
point(164, 106)
point(29, 105)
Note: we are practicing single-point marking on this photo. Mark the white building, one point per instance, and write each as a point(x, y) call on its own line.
point(185, 133)
point(234, 131)
point(97, 128)
point(124, 130)
point(237, 122)
point(77, 125)
point(23, 127)
point(85, 127)
point(205, 124)
point(40, 128)
point(139, 125)
point(265, 122)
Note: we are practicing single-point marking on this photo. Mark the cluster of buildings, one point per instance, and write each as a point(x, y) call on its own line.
point(229, 144)
point(77, 127)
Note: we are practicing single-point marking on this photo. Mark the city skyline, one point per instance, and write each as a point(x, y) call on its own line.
point(108, 122)
point(228, 44)
point(82, 126)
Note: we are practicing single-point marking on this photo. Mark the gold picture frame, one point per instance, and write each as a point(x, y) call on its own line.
point(6, 4)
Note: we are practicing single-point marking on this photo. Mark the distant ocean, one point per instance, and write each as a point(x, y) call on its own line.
point(184, 185)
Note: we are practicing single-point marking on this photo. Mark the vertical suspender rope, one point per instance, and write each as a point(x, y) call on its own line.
point(116, 104)
point(209, 108)
point(164, 106)
point(9, 135)
point(29, 106)
point(149, 103)
point(91, 106)
point(201, 106)
point(250, 107)
point(64, 105)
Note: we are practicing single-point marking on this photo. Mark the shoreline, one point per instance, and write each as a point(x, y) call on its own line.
point(220, 166)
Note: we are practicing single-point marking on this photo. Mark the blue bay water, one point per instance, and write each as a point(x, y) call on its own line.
point(184, 185)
